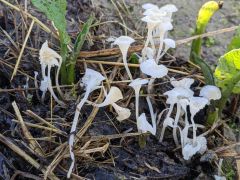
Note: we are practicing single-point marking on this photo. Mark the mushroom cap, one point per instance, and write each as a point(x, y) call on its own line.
point(149, 6)
point(170, 8)
point(91, 79)
point(178, 93)
point(166, 26)
point(155, 13)
point(113, 96)
point(191, 149)
point(153, 20)
point(123, 113)
point(138, 82)
point(211, 92)
point(143, 125)
point(48, 56)
point(170, 43)
point(151, 68)
point(185, 82)
point(216, 177)
point(196, 104)
point(123, 40)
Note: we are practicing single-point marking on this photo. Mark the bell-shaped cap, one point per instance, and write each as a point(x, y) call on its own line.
point(166, 26)
point(177, 94)
point(91, 79)
point(170, 43)
point(113, 96)
point(184, 83)
point(211, 92)
point(123, 113)
point(124, 43)
point(48, 56)
point(150, 67)
point(149, 6)
point(191, 149)
point(170, 8)
point(144, 126)
point(138, 82)
point(196, 104)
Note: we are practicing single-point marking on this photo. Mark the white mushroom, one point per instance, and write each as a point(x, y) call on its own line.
point(149, 6)
point(169, 43)
point(191, 149)
point(196, 104)
point(144, 126)
point(124, 43)
point(150, 67)
point(90, 81)
point(123, 113)
point(184, 83)
point(210, 92)
point(113, 96)
point(136, 85)
point(50, 58)
point(169, 8)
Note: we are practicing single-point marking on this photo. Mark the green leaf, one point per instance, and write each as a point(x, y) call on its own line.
point(82, 37)
point(55, 10)
point(227, 73)
point(235, 43)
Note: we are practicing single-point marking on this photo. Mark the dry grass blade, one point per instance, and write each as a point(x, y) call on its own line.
point(238, 167)
point(24, 174)
point(35, 116)
point(32, 142)
point(8, 142)
point(21, 52)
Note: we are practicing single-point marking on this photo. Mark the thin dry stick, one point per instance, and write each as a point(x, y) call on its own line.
point(35, 116)
point(21, 52)
point(138, 48)
point(8, 142)
point(32, 142)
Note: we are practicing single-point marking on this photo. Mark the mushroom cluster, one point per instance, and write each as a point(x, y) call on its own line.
point(182, 96)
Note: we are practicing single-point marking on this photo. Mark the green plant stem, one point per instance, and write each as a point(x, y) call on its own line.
point(63, 71)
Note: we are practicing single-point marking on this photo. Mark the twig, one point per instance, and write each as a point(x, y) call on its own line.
point(8, 142)
point(21, 52)
point(32, 142)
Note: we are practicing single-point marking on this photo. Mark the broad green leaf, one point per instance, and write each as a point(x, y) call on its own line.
point(55, 10)
point(227, 73)
point(235, 42)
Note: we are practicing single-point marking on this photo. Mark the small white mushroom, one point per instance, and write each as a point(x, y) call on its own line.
point(136, 85)
point(149, 6)
point(169, 8)
point(184, 83)
point(210, 92)
point(169, 43)
point(144, 126)
point(124, 43)
point(123, 113)
point(90, 81)
point(150, 67)
point(191, 149)
point(196, 104)
point(113, 96)
point(50, 58)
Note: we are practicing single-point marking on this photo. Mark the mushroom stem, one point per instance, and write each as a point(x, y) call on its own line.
point(164, 126)
point(153, 117)
point(126, 64)
point(57, 81)
point(51, 89)
point(137, 102)
point(176, 124)
point(73, 129)
point(194, 129)
point(160, 46)
point(150, 85)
